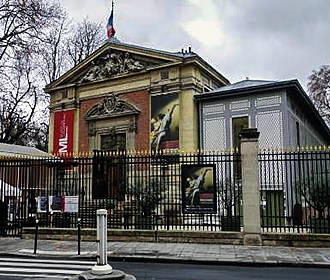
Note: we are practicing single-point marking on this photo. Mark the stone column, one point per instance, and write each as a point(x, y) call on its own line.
point(188, 121)
point(250, 186)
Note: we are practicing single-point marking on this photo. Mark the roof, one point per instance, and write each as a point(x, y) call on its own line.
point(183, 54)
point(8, 190)
point(177, 54)
point(244, 84)
point(12, 150)
point(247, 87)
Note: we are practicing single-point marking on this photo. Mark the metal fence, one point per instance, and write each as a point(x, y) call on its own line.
point(295, 190)
point(140, 190)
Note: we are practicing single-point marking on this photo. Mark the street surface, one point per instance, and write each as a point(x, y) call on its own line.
point(20, 268)
point(56, 269)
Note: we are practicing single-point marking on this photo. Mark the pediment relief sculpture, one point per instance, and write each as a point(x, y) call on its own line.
point(111, 106)
point(112, 64)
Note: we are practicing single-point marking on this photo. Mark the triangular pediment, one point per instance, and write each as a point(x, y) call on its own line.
point(114, 60)
point(113, 63)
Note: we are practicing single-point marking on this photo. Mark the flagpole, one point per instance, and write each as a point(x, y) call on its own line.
point(110, 26)
point(112, 17)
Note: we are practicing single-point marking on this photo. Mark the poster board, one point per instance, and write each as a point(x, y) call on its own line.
point(198, 185)
point(71, 204)
point(55, 204)
point(42, 204)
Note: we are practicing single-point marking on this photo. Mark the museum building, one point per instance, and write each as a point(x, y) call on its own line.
point(127, 97)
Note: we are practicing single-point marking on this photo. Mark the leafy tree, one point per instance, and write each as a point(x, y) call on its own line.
point(319, 91)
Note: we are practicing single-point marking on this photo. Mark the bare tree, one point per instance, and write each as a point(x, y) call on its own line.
point(52, 55)
point(19, 98)
point(319, 91)
point(85, 38)
point(22, 21)
point(37, 44)
point(23, 24)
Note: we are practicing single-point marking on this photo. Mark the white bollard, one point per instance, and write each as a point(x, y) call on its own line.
point(102, 267)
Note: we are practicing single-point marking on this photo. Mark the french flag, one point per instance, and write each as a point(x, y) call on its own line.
point(110, 29)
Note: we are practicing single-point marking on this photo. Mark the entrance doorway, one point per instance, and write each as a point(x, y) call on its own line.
point(237, 125)
point(113, 142)
point(109, 171)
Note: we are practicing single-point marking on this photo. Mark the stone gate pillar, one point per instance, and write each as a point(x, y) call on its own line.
point(250, 186)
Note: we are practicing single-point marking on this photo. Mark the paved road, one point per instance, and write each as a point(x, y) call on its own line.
point(31, 268)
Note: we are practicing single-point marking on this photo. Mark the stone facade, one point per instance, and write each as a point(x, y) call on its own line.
point(134, 76)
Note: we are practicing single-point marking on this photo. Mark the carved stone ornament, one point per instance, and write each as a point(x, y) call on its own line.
point(112, 64)
point(111, 106)
point(91, 129)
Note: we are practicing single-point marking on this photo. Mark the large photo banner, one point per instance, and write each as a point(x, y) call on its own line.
point(198, 188)
point(63, 131)
point(165, 116)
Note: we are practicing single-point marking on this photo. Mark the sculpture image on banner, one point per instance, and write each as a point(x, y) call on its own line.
point(198, 188)
point(164, 122)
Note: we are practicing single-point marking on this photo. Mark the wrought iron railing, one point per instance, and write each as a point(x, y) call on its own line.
point(141, 190)
point(295, 190)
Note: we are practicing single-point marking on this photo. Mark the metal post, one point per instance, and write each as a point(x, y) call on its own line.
point(102, 266)
point(36, 237)
point(79, 234)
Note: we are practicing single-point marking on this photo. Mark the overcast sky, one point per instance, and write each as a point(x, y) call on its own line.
point(259, 39)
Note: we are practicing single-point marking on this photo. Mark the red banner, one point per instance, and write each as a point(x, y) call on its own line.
point(63, 132)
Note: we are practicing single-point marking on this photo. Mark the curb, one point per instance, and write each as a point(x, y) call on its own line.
point(160, 259)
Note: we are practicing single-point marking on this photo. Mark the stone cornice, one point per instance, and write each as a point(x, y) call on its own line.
point(71, 104)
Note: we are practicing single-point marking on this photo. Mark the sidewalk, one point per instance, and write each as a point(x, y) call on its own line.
point(174, 252)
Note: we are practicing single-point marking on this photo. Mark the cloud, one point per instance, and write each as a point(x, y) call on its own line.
point(207, 32)
point(262, 39)
point(203, 23)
